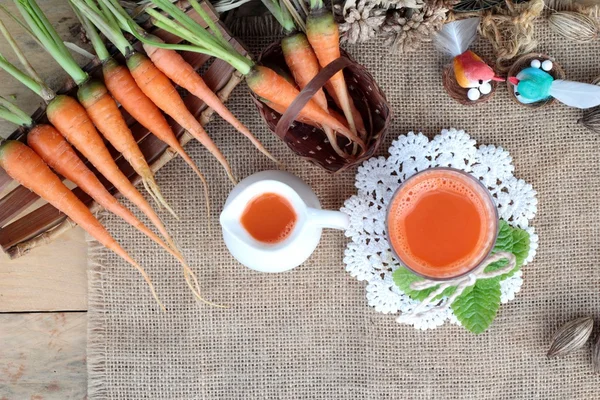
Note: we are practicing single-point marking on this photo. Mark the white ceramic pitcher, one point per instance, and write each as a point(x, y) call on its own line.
point(303, 239)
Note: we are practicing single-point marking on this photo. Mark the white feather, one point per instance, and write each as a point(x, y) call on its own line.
point(456, 37)
point(575, 94)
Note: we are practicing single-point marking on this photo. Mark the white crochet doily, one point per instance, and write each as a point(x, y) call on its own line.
point(368, 256)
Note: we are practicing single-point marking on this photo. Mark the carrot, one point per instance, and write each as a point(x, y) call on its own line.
point(281, 109)
point(122, 86)
point(71, 120)
point(270, 86)
point(263, 81)
point(26, 167)
point(302, 62)
point(61, 157)
point(104, 113)
point(358, 120)
point(183, 74)
point(324, 37)
point(161, 91)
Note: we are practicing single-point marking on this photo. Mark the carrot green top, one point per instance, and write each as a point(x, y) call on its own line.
point(101, 17)
point(182, 25)
point(281, 14)
point(12, 113)
point(43, 31)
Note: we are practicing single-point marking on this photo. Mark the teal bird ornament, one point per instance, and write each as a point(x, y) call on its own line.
point(534, 84)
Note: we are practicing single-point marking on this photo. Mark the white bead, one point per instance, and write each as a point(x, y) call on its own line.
point(547, 65)
point(473, 94)
point(485, 88)
point(536, 63)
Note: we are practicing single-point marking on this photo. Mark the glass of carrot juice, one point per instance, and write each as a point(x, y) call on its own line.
point(442, 223)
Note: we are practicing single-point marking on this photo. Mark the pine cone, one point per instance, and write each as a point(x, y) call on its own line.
point(407, 28)
point(361, 21)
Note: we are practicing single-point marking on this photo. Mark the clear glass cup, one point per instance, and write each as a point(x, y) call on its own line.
point(491, 221)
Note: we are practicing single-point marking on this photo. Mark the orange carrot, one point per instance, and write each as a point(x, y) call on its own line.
point(324, 37)
point(281, 109)
point(71, 121)
point(358, 120)
point(26, 167)
point(122, 86)
point(302, 62)
point(61, 157)
point(105, 114)
point(161, 91)
point(270, 86)
point(170, 63)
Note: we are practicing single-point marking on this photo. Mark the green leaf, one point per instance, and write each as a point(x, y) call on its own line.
point(403, 278)
point(476, 308)
point(521, 245)
point(504, 242)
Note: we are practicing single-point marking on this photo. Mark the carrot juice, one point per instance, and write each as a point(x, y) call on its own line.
point(269, 218)
point(442, 223)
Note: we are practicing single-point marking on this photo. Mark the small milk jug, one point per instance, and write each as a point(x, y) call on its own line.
point(300, 242)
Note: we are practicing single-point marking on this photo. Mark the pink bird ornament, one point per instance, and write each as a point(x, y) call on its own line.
point(470, 71)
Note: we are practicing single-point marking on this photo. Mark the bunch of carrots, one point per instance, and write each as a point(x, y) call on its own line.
point(305, 55)
point(143, 88)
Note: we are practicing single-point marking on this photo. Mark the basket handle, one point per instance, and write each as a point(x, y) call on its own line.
point(308, 92)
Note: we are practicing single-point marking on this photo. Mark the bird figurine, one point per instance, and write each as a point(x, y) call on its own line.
point(534, 84)
point(470, 71)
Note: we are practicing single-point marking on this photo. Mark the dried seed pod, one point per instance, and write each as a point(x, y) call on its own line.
point(574, 26)
point(591, 116)
point(596, 356)
point(591, 119)
point(571, 337)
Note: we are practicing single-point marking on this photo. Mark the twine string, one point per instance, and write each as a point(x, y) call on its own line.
point(461, 284)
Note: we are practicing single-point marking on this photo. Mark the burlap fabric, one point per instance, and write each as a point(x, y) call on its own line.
point(308, 333)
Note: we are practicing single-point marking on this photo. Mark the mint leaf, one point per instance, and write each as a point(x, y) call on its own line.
point(476, 308)
point(504, 242)
point(403, 278)
point(521, 245)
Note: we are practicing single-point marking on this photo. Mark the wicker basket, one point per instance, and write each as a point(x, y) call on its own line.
point(311, 143)
point(524, 62)
point(40, 226)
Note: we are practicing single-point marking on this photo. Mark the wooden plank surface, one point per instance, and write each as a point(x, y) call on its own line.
point(43, 356)
point(50, 278)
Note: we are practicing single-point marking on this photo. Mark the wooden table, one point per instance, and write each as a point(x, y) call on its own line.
point(43, 296)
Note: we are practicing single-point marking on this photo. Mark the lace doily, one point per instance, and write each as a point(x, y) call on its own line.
point(368, 256)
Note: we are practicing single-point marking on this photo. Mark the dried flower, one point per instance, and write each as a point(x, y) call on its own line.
point(574, 26)
point(406, 29)
point(361, 21)
point(571, 337)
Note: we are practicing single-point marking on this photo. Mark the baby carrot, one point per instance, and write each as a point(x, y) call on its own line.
point(105, 114)
point(324, 37)
point(183, 74)
point(71, 120)
point(270, 86)
point(122, 86)
point(302, 62)
point(26, 167)
point(61, 157)
point(161, 91)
